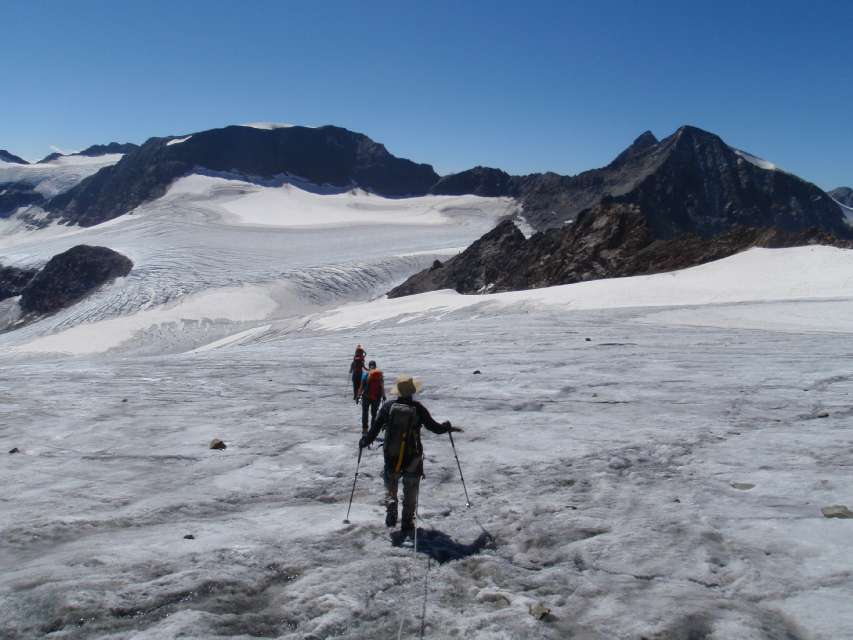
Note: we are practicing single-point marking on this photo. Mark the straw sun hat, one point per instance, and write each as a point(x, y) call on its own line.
point(406, 386)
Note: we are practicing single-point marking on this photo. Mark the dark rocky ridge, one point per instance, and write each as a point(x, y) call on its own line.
point(484, 263)
point(5, 156)
point(70, 276)
point(689, 182)
point(479, 181)
point(96, 150)
point(844, 195)
point(17, 194)
point(323, 155)
point(13, 280)
point(613, 240)
point(658, 206)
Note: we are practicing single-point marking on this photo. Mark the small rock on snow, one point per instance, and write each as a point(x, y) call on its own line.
point(836, 511)
point(15, 450)
point(619, 463)
point(743, 486)
point(477, 372)
point(823, 414)
point(189, 536)
point(539, 611)
point(216, 443)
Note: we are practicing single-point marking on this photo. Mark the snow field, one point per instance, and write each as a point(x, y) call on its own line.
point(645, 472)
point(604, 469)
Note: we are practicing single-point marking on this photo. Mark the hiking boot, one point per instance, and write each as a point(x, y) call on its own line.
point(391, 516)
point(407, 528)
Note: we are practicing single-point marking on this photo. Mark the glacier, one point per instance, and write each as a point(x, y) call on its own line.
point(648, 455)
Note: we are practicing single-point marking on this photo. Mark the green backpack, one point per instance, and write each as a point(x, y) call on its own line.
point(399, 433)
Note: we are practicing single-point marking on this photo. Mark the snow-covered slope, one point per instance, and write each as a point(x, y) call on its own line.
point(56, 176)
point(797, 273)
point(642, 472)
point(209, 234)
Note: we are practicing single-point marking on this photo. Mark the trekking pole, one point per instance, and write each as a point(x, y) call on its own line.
point(461, 477)
point(352, 493)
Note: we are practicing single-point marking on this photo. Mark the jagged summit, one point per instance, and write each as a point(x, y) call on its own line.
point(641, 143)
point(5, 156)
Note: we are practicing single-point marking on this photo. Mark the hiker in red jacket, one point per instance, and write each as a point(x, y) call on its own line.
point(372, 394)
point(356, 369)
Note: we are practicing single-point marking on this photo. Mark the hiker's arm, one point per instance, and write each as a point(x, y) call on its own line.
point(432, 425)
point(428, 421)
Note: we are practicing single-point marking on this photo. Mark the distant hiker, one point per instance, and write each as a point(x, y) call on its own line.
point(372, 394)
point(402, 420)
point(356, 369)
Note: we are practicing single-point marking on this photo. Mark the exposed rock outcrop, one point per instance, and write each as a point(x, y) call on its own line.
point(615, 239)
point(475, 270)
point(17, 194)
point(479, 181)
point(70, 276)
point(13, 280)
point(5, 156)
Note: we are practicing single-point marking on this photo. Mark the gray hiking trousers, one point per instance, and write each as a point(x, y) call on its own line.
point(411, 487)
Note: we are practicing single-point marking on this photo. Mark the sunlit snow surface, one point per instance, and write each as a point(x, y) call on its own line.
point(56, 176)
point(609, 451)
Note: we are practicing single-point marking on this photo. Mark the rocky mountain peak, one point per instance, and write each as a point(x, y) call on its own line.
point(844, 195)
point(5, 156)
point(642, 142)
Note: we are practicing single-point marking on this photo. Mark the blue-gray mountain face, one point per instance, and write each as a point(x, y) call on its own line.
point(844, 195)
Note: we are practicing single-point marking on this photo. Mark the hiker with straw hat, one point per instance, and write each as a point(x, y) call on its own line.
point(402, 419)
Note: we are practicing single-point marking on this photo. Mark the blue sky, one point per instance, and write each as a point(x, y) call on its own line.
point(525, 86)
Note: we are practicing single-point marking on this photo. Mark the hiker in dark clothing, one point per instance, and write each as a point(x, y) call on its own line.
point(355, 369)
point(372, 394)
point(402, 420)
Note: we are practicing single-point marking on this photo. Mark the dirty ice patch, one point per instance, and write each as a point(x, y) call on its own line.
point(235, 304)
point(752, 276)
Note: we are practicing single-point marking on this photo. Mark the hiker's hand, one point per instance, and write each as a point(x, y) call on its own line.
point(362, 443)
